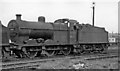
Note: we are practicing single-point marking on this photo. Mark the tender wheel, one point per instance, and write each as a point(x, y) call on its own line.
point(50, 53)
point(104, 49)
point(66, 50)
point(39, 53)
point(32, 54)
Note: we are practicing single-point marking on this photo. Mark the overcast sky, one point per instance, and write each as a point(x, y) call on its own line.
point(106, 11)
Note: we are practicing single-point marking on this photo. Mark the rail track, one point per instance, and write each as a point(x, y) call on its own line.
point(32, 63)
point(102, 57)
point(35, 63)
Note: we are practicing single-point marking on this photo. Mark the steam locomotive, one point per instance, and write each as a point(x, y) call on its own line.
point(65, 36)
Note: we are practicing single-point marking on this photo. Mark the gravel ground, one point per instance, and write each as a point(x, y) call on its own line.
point(111, 63)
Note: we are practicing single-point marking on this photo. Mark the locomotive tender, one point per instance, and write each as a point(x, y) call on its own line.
point(62, 36)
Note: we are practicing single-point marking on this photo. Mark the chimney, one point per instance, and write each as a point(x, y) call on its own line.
point(41, 19)
point(18, 16)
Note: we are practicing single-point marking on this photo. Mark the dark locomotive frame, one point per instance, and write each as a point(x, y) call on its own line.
point(31, 39)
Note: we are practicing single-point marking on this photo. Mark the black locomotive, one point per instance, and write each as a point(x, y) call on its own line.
point(50, 38)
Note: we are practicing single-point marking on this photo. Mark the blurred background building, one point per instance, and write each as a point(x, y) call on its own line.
point(114, 38)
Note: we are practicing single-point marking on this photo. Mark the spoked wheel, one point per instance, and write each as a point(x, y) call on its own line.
point(79, 51)
point(104, 50)
point(39, 53)
point(50, 53)
point(66, 50)
point(92, 51)
point(18, 53)
point(100, 51)
point(3, 53)
point(56, 52)
point(32, 54)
